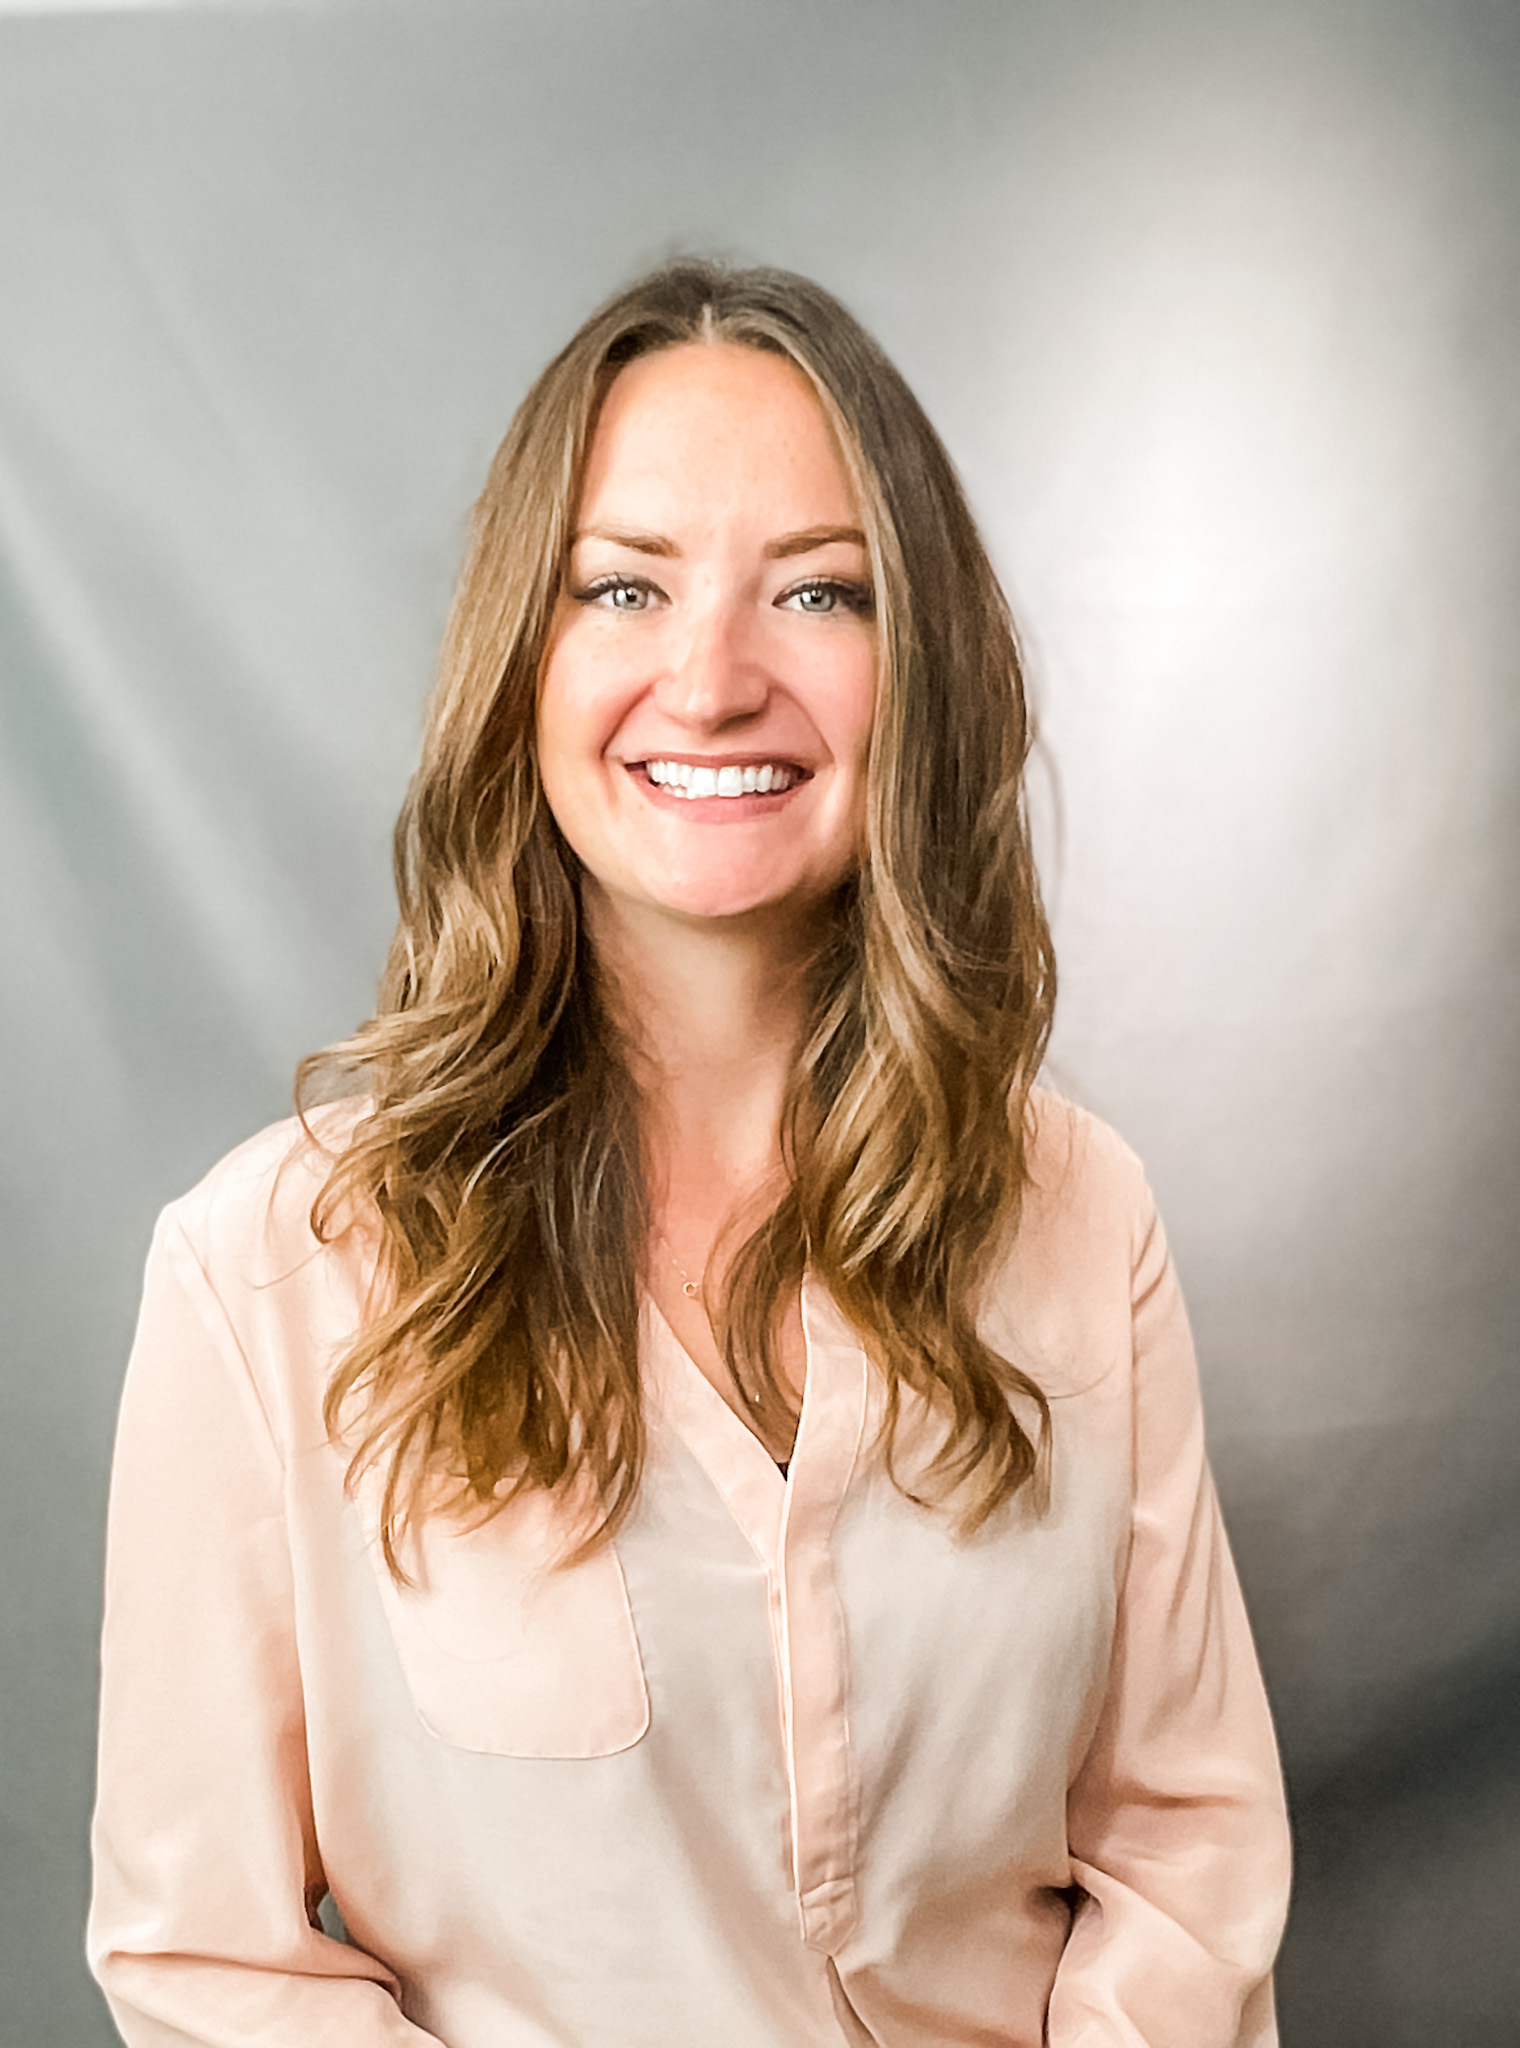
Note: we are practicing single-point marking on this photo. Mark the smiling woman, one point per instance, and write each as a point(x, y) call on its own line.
point(715, 632)
point(677, 1500)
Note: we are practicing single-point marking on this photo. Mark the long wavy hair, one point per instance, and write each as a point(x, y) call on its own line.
point(500, 1145)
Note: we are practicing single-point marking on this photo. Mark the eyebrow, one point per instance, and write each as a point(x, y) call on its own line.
point(803, 543)
point(628, 537)
point(813, 537)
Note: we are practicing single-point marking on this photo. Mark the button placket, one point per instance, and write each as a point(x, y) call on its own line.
point(789, 1524)
point(815, 1667)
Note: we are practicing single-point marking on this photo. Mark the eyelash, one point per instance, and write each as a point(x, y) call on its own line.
point(849, 596)
point(852, 597)
point(605, 585)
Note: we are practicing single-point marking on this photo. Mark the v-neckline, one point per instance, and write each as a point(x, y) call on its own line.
point(764, 1501)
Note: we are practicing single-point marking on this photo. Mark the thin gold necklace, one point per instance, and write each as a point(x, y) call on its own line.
point(692, 1289)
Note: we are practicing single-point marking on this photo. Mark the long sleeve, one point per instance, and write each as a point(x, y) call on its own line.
point(207, 1868)
point(1176, 1820)
point(557, 1809)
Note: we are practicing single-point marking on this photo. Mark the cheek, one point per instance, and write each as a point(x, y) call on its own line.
point(550, 740)
point(581, 708)
point(561, 740)
point(566, 715)
point(856, 714)
point(583, 697)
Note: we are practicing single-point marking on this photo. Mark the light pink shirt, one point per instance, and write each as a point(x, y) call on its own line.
point(788, 1765)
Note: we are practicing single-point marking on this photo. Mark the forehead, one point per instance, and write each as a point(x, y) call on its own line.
point(715, 420)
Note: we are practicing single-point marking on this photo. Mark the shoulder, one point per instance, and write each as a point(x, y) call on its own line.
point(251, 1213)
point(1085, 1221)
point(1082, 1177)
point(1060, 1303)
point(238, 1273)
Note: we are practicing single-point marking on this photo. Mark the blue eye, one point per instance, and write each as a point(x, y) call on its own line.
point(824, 595)
point(617, 593)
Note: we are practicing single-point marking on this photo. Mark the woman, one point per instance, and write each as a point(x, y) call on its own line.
point(679, 1504)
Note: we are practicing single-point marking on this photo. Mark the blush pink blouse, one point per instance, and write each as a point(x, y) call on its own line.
point(788, 1766)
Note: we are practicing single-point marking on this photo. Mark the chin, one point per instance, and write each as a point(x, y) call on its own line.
point(718, 906)
point(709, 895)
point(705, 903)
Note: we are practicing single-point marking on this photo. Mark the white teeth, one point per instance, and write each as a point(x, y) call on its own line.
point(682, 778)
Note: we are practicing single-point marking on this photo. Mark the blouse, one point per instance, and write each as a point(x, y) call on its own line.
point(789, 1764)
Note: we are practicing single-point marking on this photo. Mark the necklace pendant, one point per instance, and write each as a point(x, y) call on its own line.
point(689, 1289)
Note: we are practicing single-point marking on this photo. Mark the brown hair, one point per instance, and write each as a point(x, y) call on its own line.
point(501, 1147)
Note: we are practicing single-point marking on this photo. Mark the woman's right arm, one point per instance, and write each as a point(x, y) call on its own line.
point(207, 1871)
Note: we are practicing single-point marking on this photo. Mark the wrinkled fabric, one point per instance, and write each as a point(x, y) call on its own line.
point(789, 1763)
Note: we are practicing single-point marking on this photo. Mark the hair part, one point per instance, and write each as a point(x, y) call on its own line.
point(501, 1148)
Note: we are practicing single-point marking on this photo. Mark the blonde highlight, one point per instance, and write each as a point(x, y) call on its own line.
point(500, 1148)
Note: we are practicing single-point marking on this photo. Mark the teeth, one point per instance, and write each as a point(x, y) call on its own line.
point(681, 778)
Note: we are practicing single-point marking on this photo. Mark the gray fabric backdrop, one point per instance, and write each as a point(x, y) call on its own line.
point(1216, 306)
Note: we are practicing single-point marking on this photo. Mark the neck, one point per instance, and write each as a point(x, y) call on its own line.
point(713, 1014)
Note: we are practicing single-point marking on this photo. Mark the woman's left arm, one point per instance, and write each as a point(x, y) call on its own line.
point(1176, 1820)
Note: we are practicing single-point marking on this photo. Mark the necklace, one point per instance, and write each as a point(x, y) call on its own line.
point(692, 1289)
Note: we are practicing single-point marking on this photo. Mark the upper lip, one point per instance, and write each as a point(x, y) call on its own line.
point(748, 759)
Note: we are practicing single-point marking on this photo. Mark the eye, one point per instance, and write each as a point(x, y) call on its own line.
point(618, 593)
point(824, 596)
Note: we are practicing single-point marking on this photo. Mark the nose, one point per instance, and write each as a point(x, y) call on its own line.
point(714, 677)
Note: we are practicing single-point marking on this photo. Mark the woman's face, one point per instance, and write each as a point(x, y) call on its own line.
point(706, 705)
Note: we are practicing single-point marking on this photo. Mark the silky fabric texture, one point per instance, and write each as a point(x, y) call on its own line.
point(788, 1764)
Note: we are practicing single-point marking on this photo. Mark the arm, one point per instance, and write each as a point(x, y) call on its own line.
point(1176, 1819)
point(207, 1871)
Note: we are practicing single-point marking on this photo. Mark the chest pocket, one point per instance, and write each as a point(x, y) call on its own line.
point(509, 1653)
